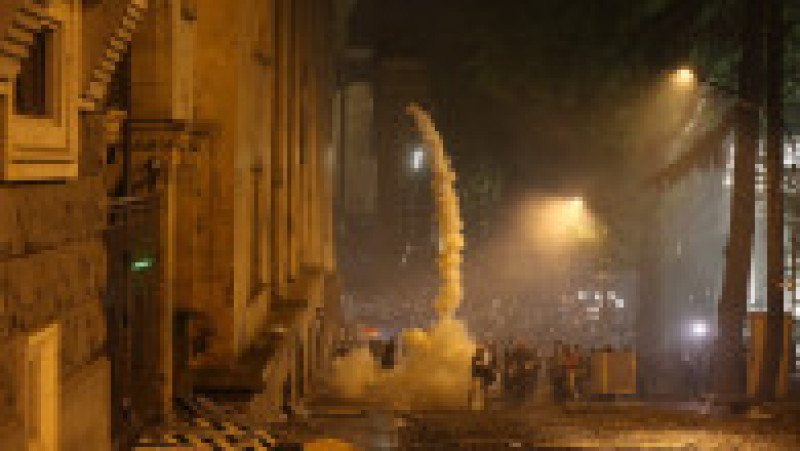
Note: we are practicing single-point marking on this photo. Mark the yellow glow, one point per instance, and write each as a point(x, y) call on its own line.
point(577, 203)
point(555, 222)
point(684, 77)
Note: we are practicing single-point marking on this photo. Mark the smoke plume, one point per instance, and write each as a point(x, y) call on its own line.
point(434, 369)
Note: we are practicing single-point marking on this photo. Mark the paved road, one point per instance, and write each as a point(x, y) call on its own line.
point(534, 426)
point(596, 427)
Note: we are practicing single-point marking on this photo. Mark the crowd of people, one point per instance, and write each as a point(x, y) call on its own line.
point(520, 371)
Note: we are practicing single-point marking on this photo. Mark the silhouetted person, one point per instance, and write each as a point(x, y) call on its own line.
point(389, 355)
point(571, 362)
point(483, 374)
point(518, 371)
point(558, 376)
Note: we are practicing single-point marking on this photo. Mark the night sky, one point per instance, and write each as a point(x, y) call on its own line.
point(538, 89)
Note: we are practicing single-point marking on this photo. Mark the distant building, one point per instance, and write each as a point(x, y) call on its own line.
point(404, 192)
point(386, 221)
point(357, 181)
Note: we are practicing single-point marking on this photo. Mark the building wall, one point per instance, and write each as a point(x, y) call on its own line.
point(267, 87)
point(52, 251)
point(245, 219)
point(260, 84)
point(53, 271)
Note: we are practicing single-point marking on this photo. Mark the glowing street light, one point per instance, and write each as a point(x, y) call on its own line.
point(555, 222)
point(577, 203)
point(699, 329)
point(684, 77)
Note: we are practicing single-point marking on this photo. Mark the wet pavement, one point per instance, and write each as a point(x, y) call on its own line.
point(546, 426)
point(536, 424)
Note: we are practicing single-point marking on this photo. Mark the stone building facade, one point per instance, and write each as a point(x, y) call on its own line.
point(166, 209)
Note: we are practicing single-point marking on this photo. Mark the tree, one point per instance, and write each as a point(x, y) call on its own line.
point(773, 344)
point(729, 368)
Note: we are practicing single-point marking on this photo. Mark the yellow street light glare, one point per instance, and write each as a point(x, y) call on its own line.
point(684, 76)
point(577, 203)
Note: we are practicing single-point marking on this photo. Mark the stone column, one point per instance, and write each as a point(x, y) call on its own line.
point(295, 130)
point(280, 149)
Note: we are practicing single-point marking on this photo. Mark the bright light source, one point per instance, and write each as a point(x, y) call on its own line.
point(555, 224)
point(142, 264)
point(417, 158)
point(684, 77)
point(699, 329)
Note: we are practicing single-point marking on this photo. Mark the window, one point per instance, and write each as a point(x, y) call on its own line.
point(39, 109)
point(33, 89)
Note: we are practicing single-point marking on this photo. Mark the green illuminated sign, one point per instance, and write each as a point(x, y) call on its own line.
point(142, 264)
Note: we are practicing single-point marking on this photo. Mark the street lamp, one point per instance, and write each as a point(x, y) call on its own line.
point(699, 329)
point(684, 77)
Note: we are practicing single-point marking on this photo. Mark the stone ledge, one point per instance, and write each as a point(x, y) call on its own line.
point(286, 316)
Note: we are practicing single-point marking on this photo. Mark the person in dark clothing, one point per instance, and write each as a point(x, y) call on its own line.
point(389, 354)
point(558, 372)
point(519, 371)
point(483, 370)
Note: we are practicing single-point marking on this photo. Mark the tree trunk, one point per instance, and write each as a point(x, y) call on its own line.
point(773, 344)
point(729, 369)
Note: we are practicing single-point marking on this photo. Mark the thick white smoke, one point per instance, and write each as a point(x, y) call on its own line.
point(434, 370)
